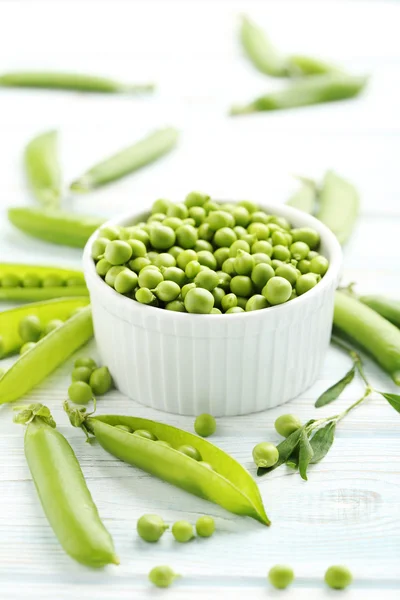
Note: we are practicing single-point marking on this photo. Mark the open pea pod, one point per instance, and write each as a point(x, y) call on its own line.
point(31, 283)
point(45, 311)
point(228, 484)
point(50, 352)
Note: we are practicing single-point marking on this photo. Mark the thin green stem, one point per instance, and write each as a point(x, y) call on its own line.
point(367, 392)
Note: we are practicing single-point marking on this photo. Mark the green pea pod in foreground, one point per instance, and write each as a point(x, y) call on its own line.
point(61, 309)
point(318, 89)
point(31, 283)
point(50, 352)
point(338, 205)
point(57, 227)
point(372, 332)
point(43, 169)
point(62, 490)
point(386, 307)
point(128, 160)
point(228, 484)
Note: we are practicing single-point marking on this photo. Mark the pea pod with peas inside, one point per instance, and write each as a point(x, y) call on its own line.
point(216, 476)
point(51, 351)
point(62, 490)
point(31, 283)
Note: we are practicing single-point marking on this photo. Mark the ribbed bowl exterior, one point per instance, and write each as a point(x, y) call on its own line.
point(220, 364)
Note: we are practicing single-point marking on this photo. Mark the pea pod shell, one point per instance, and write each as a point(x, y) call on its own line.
point(42, 168)
point(50, 352)
point(386, 307)
point(57, 227)
point(229, 485)
point(338, 205)
point(300, 64)
point(128, 160)
point(371, 331)
point(305, 198)
point(39, 293)
point(46, 311)
point(260, 51)
point(65, 497)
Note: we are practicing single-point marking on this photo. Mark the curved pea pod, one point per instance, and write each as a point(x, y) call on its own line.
point(50, 352)
point(130, 159)
point(57, 227)
point(69, 81)
point(46, 311)
point(318, 89)
point(370, 330)
point(42, 168)
point(386, 307)
point(63, 493)
point(305, 198)
point(229, 485)
point(260, 51)
point(300, 64)
point(338, 205)
point(35, 294)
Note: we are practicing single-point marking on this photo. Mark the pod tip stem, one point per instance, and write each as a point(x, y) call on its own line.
point(115, 560)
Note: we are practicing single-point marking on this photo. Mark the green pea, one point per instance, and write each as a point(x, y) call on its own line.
point(151, 527)
point(118, 252)
point(137, 264)
point(162, 576)
point(150, 278)
point(304, 266)
point(261, 258)
point(307, 235)
point(218, 294)
point(162, 237)
point(98, 247)
point(125, 428)
point(75, 281)
point(160, 206)
point(228, 207)
point(228, 301)
point(224, 281)
point(241, 285)
point(176, 306)
point(102, 267)
point(174, 274)
point(277, 290)
point(259, 216)
point(31, 280)
point(228, 267)
point(256, 302)
point(186, 236)
point(238, 245)
point(100, 381)
point(125, 281)
point(190, 451)
point(157, 217)
point(183, 531)
point(207, 259)
point(265, 454)
point(52, 325)
point(234, 309)
point(299, 250)
point(173, 222)
point(338, 577)
point(167, 291)
point(203, 245)
point(221, 255)
point(164, 259)
point(80, 392)
point(196, 199)
point(186, 288)
point(215, 311)
point(112, 273)
point(30, 328)
point(240, 231)
point(285, 425)
point(136, 233)
point(225, 237)
point(305, 283)
point(243, 263)
point(205, 526)
point(110, 232)
point(241, 216)
point(260, 230)
point(207, 279)
point(281, 253)
point(219, 219)
point(144, 296)
point(288, 272)
point(186, 257)
point(144, 433)
point(81, 374)
point(205, 425)
point(198, 214)
point(199, 300)
point(279, 238)
point(138, 248)
point(281, 576)
point(26, 347)
point(178, 209)
point(205, 232)
point(319, 265)
point(85, 361)
point(192, 269)
point(312, 254)
point(211, 206)
point(175, 251)
point(251, 207)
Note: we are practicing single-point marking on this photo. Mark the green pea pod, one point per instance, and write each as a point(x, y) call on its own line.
point(260, 51)
point(50, 352)
point(305, 198)
point(45, 311)
point(42, 168)
point(307, 65)
point(22, 273)
point(372, 332)
point(386, 307)
point(63, 493)
point(51, 80)
point(128, 160)
point(338, 205)
point(57, 227)
point(228, 485)
point(319, 89)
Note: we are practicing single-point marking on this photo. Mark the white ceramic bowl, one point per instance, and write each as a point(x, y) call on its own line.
point(220, 364)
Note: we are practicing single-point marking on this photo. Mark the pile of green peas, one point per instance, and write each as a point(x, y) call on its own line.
point(204, 257)
point(88, 380)
point(31, 330)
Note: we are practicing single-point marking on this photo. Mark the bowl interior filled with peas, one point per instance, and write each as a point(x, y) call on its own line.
point(207, 305)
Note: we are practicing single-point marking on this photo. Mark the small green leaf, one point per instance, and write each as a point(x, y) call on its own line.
point(393, 399)
point(305, 455)
point(335, 390)
point(321, 441)
point(285, 450)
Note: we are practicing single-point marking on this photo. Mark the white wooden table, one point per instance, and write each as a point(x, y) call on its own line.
point(349, 511)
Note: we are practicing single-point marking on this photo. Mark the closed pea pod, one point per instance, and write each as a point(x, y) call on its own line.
point(63, 492)
point(42, 168)
point(260, 51)
point(338, 205)
point(31, 278)
point(386, 307)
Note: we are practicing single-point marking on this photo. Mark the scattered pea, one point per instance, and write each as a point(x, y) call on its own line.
point(338, 577)
point(80, 392)
point(100, 381)
point(205, 526)
point(81, 374)
point(182, 531)
point(265, 454)
point(85, 361)
point(281, 576)
point(285, 425)
point(162, 576)
point(205, 425)
point(151, 527)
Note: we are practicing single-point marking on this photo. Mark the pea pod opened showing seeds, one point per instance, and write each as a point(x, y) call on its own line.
point(62, 490)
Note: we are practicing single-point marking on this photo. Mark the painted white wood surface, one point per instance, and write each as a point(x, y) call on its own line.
point(348, 512)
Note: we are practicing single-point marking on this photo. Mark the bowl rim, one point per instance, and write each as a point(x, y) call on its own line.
point(328, 239)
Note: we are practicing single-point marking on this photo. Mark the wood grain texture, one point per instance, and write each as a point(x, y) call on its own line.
point(349, 511)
